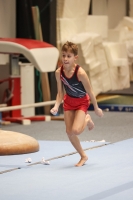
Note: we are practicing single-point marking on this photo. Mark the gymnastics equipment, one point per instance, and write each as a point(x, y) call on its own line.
point(97, 24)
point(117, 58)
point(1, 121)
point(67, 8)
point(16, 143)
point(27, 120)
point(42, 55)
point(27, 106)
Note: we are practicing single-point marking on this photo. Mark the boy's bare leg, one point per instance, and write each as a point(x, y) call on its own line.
point(69, 119)
point(77, 121)
point(82, 120)
point(76, 143)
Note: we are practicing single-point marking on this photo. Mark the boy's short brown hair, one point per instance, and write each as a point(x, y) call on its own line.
point(69, 46)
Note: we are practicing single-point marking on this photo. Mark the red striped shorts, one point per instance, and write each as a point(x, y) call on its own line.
point(71, 103)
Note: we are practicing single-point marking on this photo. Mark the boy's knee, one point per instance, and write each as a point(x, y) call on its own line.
point(76, 131)
point(73, 131)
point(68, 131)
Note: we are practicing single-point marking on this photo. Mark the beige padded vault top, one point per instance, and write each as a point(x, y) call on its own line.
point(17, 143)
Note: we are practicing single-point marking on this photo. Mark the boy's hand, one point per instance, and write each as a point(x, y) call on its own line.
point(54, 110)
point(99, 112)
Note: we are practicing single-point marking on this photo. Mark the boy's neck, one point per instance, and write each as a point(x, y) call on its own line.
point(71, 68)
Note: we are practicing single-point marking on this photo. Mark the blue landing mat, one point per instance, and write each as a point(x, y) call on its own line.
point(48, 149)
point(108, 175)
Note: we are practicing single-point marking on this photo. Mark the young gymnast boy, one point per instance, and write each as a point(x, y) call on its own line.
point(77, 98)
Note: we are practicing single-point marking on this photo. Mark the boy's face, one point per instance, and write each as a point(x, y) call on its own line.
point(68, 59)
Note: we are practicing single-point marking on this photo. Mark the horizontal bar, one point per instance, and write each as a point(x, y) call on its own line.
point(18, 107)
point(3, 105)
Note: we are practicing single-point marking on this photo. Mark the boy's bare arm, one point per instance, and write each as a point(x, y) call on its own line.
point(59, 87)
point(59, 96)
point(86, 83)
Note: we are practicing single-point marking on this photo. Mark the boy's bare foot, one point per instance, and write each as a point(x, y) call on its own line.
point(82, 161)
point(90, 123)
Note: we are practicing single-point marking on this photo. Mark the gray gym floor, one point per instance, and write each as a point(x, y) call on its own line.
point(113, 127)
point(108, 174)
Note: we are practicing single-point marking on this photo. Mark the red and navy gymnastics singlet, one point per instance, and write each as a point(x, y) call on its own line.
point(76, 97)
point(73, 87)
